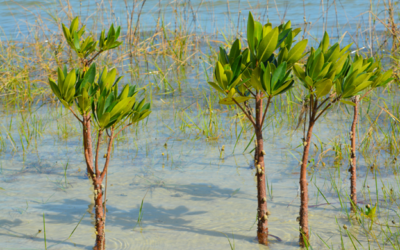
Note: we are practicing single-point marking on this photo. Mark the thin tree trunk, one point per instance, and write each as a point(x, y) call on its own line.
point(262, 228)
point(304, 233)
point(96, 181)
point(98, 201)
point(353, 161)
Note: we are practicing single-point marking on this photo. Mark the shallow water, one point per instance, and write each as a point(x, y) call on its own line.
point(198, 16)
point(194, 196)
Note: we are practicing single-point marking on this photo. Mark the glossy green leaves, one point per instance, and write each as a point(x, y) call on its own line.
point(329, 67)
point(361, 74)
point(86, 46)
point(110, 41)
point(322, 68)
point(264, 40)
point(264, 67)
point(268, 45)
point(109, 105)
point(65, 89)
point(113, 106)
point(276, 81)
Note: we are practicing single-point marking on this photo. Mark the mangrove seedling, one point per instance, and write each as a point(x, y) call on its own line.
point(97, 100)
point(377, 80)
point(329, 76)
point(258, 73)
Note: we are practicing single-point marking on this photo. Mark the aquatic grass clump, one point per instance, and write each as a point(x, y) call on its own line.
point(258, 73)
point(99, 102)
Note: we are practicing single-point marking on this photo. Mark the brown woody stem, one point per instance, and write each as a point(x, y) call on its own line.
point(248, 116)
point(353, 161)
point(262, 226)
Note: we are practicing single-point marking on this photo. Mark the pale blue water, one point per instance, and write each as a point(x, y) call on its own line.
point(198, 16)
point(195, 197)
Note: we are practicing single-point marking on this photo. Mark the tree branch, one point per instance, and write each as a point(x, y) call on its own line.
point(89, 138)
point(323, 102)
point(73, 112)
point(327, 106)
point(265, 111)
point(87, 153)
point(97, 153)
point(249, 117)
point(94, 57)
point(127, 125)
point(366, 93)
point(251, 92)
point(108, 155)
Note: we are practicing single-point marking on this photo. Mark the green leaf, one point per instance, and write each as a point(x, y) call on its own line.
point(299, 72)
point(236, 66)
point(66, 104)
point(296, 52)
point(111, 75)
point(317, 66)
point(348, 92)
point(268, 45)
point(250, 32)
point(236, 82)
point(283, 88)
point(362, 86)
point(255, 80)
point(238, 99)
point(61, 77)
point(347, 102)
point(66, 32)
point(121, 105)
point(54, 88)
point(324, 71)
point(278, 74)
point(324, 45)
point(110, 103)
point(70, 94)
point(220, 75)
point(235, 51)
point(333, 53)
point(215, 86)
point(323, 87)
point(84, 101)
point(124, 92)
point(344, 50)
point(74, 25)
point(266, 29)
point(289, 41)
point(68, 83)
point(91, 74)
point(309, 81)
point(266, 79)
point(258, 29)
point(76, 42)
point(103, 78)
point(282, 36)
point(104, 120)
point(282, 56)
point(223, 57)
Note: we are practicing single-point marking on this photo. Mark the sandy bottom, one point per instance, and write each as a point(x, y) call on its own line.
point(193, 198)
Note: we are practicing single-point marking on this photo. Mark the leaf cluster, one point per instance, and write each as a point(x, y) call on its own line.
point(258, 68)
point(97, 94)
point(86, 46)
point(331, 70)
point(102, 97)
